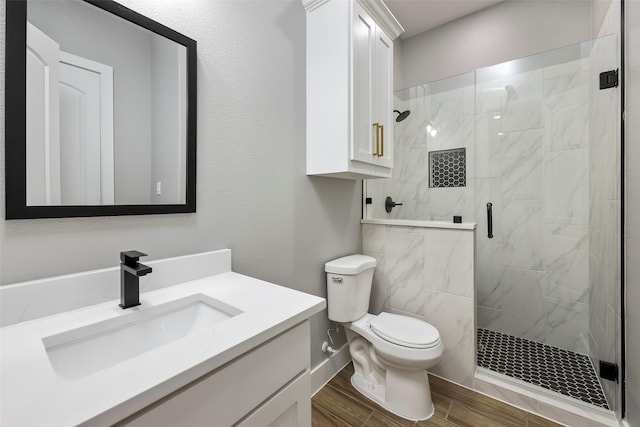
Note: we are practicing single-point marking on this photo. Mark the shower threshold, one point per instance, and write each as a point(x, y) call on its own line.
point(555, 369)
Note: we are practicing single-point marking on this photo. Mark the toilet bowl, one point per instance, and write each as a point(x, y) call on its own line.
point(402, 341)
point(390, 352)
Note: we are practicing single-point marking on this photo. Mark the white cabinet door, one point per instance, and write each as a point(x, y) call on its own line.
point(382, 102)
point(291, 407)
point(364, 35)
point(269, 383)
point(372, 85)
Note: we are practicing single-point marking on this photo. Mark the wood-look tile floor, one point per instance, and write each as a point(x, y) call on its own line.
point(339, 404)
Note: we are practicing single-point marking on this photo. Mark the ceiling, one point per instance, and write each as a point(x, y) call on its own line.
point(417, 16)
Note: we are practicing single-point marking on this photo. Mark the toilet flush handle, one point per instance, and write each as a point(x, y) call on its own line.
point(336, 279)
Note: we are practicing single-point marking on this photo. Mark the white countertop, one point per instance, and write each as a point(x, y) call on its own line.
point(33, 394)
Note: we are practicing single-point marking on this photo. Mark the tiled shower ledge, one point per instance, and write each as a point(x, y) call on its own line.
point(418, 223)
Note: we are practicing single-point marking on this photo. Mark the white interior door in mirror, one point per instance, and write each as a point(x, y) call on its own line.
point(70, 157)
point(43, 134)
point(86, 131)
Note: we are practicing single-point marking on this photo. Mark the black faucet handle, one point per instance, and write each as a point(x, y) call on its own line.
point(131, 258)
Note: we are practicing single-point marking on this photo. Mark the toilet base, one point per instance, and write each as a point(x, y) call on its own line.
point(405, 393)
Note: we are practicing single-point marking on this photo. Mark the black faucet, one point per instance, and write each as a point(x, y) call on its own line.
point(130, 272)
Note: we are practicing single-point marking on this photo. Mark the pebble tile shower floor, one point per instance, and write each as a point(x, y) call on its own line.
point(553, 368)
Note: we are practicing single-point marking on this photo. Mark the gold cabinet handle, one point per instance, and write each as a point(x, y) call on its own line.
point(377, 126)
point(381, 141)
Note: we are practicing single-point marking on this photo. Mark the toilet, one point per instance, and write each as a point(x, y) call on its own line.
point(390, 352)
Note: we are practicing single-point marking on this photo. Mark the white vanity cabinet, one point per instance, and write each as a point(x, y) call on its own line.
point(206, 347)
point(267, 386)
point(349, 88)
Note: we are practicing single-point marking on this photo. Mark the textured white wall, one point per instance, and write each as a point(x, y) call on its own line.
point(253, 194)
point(632, 230)
point(506, 31)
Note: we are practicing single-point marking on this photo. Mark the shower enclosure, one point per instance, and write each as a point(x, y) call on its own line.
point(529, 150)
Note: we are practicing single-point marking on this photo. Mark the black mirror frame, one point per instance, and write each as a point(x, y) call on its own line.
point(15, 120)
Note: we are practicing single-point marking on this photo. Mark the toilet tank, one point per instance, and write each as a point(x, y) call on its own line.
point(349, 282)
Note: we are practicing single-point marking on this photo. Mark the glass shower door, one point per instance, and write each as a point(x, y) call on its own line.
point(546, 172)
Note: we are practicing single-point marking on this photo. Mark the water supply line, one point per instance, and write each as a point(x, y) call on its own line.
point(329, 348)
point(326, 348)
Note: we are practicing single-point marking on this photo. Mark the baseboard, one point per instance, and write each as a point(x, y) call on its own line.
point(322, 374)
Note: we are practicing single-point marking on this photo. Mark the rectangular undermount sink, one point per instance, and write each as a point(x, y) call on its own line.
point(82, 351)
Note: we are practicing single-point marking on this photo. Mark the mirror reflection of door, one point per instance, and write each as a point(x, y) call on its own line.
point(43, 134)
point(79, 159)
point(86, 131)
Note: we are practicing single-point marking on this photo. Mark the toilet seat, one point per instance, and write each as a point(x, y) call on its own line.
point(400, 355)
point(405, 331)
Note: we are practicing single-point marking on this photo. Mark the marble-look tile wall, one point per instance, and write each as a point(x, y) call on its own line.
point(428, 273)
point(442, 118)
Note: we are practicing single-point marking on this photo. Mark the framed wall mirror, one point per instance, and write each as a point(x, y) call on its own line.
point(100, 112)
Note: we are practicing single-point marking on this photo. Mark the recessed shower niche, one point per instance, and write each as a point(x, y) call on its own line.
point(448, 168)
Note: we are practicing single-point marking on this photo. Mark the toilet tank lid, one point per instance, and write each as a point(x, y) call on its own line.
point(352, 264)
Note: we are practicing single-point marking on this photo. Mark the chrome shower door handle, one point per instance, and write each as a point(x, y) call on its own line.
point(490, 220)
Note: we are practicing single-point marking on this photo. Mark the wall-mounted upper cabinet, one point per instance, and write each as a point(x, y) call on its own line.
point(349, 88)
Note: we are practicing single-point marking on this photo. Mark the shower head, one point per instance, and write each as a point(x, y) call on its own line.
point(511, 93)
point(402, 116)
